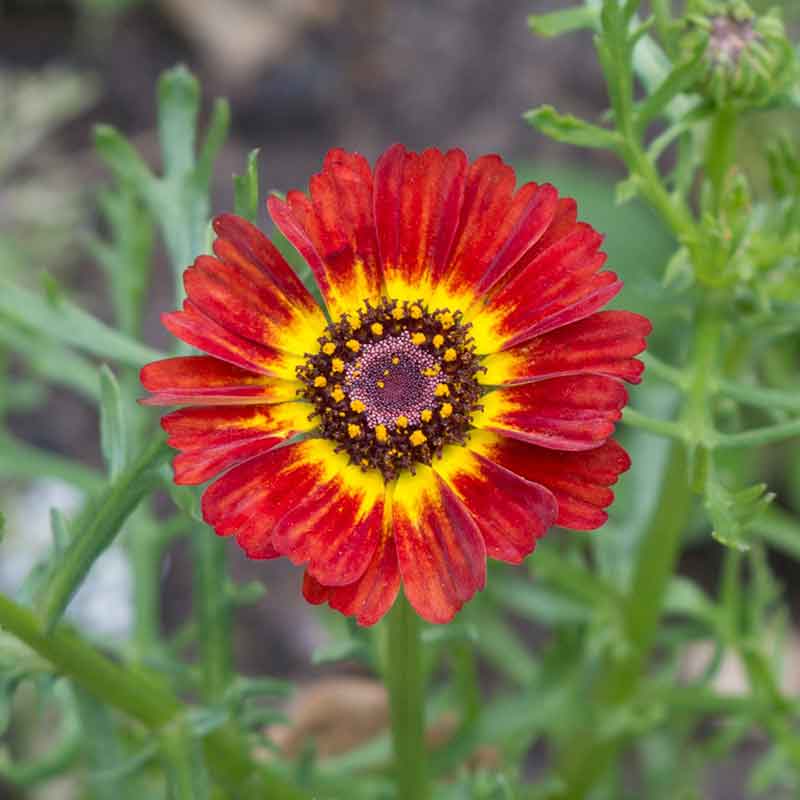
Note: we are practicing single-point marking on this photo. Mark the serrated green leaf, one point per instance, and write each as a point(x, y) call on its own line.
point(113, 426)
point(570, 130)
point(245, 189)
point(733, 513)
point(557, 23)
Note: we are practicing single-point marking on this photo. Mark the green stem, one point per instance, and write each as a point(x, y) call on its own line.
point(212, 613)
point(720, 152)
point(760, 436)
point(103, 521)
point(586, 758)
point(656, 368)
point(406, 696)
point(773, 399)
point(143, 699)
point(660, 427)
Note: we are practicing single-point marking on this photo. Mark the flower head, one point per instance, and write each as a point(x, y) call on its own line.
point(454, 400)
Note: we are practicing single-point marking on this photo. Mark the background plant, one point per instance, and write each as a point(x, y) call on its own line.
point(604, 687)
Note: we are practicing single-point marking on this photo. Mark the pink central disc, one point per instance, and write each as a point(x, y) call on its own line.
point(390, 390)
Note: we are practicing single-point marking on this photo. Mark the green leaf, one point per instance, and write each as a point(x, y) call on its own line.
point(343, 650)
point(571, 130)
point(541, 603)
point(127, 258)
point(2, 526)
point(62, 320)
point(245, 189)
point(113, 426)
point(178, 107)
point(681, 77)
point(559, 22)
point(96, 527)
point(734, 513)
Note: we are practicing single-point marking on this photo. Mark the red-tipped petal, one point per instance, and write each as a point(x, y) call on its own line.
point(417, 201)
point(192, 326)
point(560, 286)
point(368, 598)
point(205, 381)
point(335, 529)
point(511, 512)
point(334, 231)
point(440, 549)
point(244, 246)
point(579, 481)
point(249, 500)
point(211, 439)
point(602, 344)
point(574, 413)
point(255, 310)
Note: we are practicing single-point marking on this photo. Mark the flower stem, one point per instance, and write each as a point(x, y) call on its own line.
point(406, 696)
point(103, 521)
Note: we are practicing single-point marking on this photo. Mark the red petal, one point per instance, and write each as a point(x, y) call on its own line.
point(245, 247)
point(497, 226)
point(418, 199)
point(511, 512)
point(195, 328)
point(249, 500)
point(561, 285)
point(440, 549)
point(201, 381)
point(370, 597)
point(254, 309)
point(334, 231)
point(579, 481)
point(603, 344)
point(213, 439)
point(336, 527)
point(575, 413)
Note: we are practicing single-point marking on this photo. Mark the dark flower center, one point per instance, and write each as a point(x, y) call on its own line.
point(393, 384)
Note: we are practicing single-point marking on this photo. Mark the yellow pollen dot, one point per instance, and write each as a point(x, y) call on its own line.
point(385, 373)
point(356, 324)
point(381, 434)
point(426, 414)
point(401, 422)
point(398, 312)
point(415, 311)
point(446, 410)
point(329, 348)
point(353, 345)
point(337, 365)
point(450, 354)
point(365, 462)
point(337, 394)
point(320, 381)
point(438, 340)
point(441, 390)
point(418, 338)
point(380, 384)
point(431, 371)
point(357, 373)
point(357, 406)
point(446, 320)
point(417, 438)
point(395, 360)
point(376, 328)
point(353, 431)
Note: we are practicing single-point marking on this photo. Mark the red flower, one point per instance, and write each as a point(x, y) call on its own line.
point(454, 400)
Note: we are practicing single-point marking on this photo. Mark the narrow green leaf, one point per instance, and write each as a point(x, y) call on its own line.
point(559, 22)
point(682, 76)
point(113, 426)
point(96, 527)
point(733, 513)
point(571, 130)
point(61, 532)
point(178, 107)
point(123, 160)
point(245, 188)
point(215, 137)
point(65, 321)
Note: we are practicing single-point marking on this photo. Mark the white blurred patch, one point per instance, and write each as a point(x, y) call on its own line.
point(103, 605)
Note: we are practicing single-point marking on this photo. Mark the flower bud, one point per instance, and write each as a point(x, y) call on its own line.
point(749, 59)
